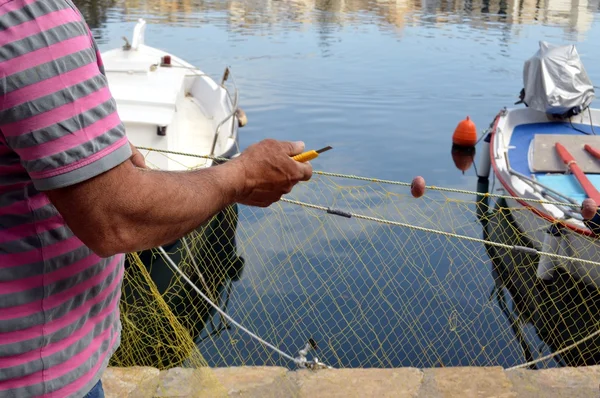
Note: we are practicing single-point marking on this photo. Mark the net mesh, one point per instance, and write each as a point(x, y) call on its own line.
point(420, 282)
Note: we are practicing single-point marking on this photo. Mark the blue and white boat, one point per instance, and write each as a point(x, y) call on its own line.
point(521, 152)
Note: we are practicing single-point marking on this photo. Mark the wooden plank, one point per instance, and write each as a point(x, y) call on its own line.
point(545, 159)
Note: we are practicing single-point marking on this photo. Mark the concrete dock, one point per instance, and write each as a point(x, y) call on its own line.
point(277, 382)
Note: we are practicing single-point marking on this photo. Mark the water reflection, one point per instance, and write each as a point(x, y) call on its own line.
point(268, 16)
point(562, 311)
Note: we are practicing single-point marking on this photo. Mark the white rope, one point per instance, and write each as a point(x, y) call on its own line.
point(444, 233)
point(549, 356)
point(176, 268)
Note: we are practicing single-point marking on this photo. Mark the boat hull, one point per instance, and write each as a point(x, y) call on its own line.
point(572, 244)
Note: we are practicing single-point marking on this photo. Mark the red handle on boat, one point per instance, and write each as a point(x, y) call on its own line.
point(592, 151)
point(569, 160)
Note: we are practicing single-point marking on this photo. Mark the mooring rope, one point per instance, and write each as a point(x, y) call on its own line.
point(223, 313)
point(555, 353)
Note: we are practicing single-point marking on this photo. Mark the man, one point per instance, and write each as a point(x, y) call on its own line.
point(72, 200)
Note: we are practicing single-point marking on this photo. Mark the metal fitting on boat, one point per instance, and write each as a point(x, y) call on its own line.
point(241, 117)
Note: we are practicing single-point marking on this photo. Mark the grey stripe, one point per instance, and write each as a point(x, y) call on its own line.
point(49, 265)
point(77, 153)
point(14, 178)
point(43, 39)
point(14, 299)
point(93, 169)
point(76, 279)
point(9, 197)
point(30, 12)
point(46, 71)
point(63, 309)
point(60, 356)
point(33, 241)
point(68, 95)
point(12, 220)
point(7, 350)
point(58, 130)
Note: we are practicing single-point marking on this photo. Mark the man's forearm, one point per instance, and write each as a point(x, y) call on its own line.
point(140, 208)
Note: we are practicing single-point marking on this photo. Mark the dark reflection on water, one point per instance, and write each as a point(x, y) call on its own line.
point(384, 83)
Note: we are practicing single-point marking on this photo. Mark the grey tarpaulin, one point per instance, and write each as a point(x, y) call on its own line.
point(556, 82)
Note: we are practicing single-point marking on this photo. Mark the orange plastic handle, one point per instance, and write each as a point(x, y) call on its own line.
point(306, 156)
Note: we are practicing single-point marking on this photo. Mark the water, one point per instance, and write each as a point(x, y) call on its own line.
point(376, 80)
point(384, 83)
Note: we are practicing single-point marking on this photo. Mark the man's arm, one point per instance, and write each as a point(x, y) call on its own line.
point(129, 209)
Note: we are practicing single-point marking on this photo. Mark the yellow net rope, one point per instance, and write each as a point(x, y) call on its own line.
point(371, 277)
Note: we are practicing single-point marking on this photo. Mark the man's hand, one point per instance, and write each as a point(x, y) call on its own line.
point(270, 172)
point(137, 158)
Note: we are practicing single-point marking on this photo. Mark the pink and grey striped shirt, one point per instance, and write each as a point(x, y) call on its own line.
point(59, 319)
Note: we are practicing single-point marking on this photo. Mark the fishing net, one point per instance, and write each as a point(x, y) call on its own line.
point(368, 276)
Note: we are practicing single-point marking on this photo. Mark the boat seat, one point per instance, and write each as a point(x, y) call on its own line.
point(567, 184)
point(544, 159)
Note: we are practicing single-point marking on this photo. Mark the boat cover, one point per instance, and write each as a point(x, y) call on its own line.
point(555, 81)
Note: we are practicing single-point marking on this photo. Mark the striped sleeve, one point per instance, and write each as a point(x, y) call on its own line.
point(57, 112)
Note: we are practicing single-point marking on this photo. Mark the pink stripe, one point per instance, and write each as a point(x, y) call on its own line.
point(57, 324)
point(16, 259)
point(38, 25)
point(58, 114)
point(71, 140)
point(63, 368)
point(25, 206)
point(15, 5)
point(53, 348)
point(56, 299)
point(45, 54)
point(51, 85)
point(10, 287)
point(25, 230)
point(100, 61)
point(65, 169)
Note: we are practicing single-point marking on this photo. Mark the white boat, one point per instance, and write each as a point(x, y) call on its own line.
point(168, 104)
point(521, 152)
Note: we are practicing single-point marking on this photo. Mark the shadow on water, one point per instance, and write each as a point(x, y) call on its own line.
point(562, 310)
point(161, 333)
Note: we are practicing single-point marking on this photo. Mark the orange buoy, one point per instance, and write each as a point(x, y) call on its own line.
point(417, 187)
point(463, 157)
point(465, 133)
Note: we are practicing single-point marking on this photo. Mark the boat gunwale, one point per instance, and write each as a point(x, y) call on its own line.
point(586, 232)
